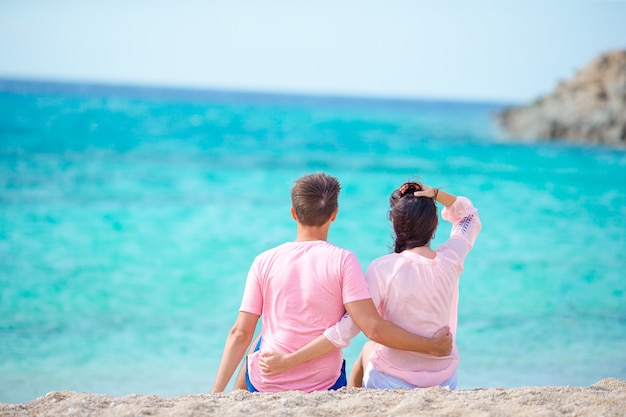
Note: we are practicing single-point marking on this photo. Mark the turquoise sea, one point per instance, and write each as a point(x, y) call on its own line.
point(129, 218)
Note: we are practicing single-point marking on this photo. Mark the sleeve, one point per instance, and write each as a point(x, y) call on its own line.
point(252, 301)
point(466, 226)
point(354, 289)
point(375, 280)
point(341, 332)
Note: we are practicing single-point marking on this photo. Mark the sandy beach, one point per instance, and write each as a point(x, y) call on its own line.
point(605, 398)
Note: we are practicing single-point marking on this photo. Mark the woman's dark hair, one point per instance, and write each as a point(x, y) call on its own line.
point(414, 218)
point(314, 198)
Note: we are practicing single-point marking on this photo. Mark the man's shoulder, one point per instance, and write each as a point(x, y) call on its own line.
point(318, 248)
point(339, 253)
point(332, 246)
point(268, 253)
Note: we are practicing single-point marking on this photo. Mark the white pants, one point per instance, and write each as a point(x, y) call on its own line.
point(372, 378)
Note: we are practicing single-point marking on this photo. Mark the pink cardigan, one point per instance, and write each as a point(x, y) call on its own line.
point(420, 295)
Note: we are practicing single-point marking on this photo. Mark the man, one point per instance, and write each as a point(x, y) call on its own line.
point(303, 287)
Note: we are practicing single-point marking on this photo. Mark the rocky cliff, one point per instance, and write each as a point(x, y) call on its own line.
point(589, 107)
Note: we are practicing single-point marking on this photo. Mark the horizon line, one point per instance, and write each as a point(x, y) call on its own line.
point(51, 85)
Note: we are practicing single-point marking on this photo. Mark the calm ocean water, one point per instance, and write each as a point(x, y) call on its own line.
point(129, 218)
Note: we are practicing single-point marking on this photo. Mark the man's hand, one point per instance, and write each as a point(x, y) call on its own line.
point(273, 362)
point(442, 342)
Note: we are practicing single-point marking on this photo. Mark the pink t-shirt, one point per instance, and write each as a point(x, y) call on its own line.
point(420, 295)
point(299, 289)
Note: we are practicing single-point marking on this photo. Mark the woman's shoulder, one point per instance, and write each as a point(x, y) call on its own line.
point(387, 259)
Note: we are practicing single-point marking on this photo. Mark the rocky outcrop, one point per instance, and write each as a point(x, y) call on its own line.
point(590, 107)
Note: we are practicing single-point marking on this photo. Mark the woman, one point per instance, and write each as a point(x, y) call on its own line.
point(415, 287)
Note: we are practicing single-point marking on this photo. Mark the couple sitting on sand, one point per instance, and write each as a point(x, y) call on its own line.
point(313, 298)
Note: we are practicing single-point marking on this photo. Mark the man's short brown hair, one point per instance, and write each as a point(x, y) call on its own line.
point(314, 198)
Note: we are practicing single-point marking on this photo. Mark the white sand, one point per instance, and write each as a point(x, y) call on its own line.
point(605, 398)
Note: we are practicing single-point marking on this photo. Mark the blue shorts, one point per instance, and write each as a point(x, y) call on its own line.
point(342, 381)
point(373, 378)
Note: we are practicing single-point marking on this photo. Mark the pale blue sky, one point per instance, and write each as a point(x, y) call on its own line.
point(482, 50)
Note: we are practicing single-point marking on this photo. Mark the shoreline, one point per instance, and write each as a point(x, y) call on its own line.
point(604, 398)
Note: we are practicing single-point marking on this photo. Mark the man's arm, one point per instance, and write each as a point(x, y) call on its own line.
point(237, 342)
point(387, 333)
point(374, 327)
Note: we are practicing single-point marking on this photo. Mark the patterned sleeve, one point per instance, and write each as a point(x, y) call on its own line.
point(466, 226)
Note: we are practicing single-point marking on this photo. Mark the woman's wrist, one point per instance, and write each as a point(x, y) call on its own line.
point(445, 198)
point(289, 360)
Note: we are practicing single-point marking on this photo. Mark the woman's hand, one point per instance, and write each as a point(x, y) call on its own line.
point(428, 192)
point(436, 194)
point(273, 362)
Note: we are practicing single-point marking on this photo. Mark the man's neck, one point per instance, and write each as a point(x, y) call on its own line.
point(309, 233)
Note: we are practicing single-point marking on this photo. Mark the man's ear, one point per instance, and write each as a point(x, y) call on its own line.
point(293, 214)
point(334, 215)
